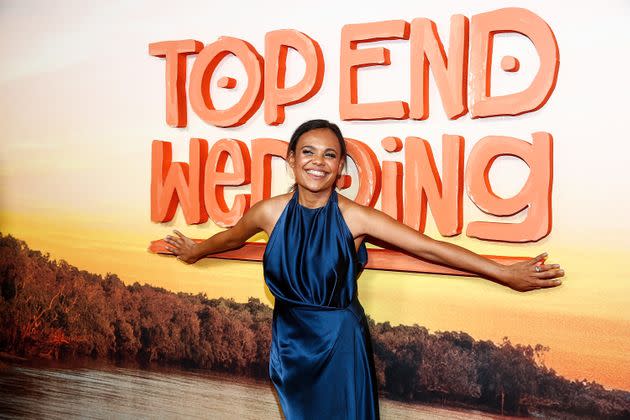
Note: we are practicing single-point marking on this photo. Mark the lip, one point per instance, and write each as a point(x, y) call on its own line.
point(323, 175)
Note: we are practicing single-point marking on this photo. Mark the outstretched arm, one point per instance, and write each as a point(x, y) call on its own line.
point(190, 252)
point(522, 276)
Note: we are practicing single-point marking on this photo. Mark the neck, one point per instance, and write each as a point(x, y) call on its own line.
point(312, 199)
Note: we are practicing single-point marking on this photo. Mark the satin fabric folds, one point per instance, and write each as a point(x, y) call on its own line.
point(321, 361)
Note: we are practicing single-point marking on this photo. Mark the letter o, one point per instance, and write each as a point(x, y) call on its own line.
point(201, 73)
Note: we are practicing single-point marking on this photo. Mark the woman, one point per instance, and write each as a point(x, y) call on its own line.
point(321, 361)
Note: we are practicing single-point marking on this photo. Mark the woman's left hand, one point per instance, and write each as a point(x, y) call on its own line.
point(533, 274)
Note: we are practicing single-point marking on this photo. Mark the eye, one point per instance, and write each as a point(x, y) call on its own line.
point(331, 155)
point(307, 152)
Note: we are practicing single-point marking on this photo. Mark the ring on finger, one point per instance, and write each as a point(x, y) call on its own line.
point(538, 269)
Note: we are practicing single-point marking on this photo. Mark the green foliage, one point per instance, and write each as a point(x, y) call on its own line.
point(51, 309)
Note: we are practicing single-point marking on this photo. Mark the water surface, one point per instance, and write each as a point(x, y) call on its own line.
point(98, 391)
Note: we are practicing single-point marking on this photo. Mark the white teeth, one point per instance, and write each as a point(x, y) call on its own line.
point(316, 173)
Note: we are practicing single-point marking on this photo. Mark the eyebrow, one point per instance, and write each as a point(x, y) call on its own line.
point(326, 150)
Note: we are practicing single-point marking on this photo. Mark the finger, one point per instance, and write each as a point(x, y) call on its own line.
point(548, 283)
point(172, 250)
point(538, 258)
point(173, 244)
point(546, 267)
point(550, 274)
point(181, 235)
point(173, 240)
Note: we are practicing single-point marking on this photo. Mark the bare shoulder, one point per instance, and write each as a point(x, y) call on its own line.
point(348, 206)
point(278, 202)
point(268, 211)
point(354, 214)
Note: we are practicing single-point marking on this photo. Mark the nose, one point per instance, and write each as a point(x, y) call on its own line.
point(318, 160)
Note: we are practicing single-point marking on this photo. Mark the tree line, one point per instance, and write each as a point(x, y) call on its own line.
point(52, 309)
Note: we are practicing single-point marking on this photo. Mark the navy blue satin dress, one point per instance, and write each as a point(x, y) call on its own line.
point(321, 361)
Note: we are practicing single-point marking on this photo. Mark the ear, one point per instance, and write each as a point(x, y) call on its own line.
point(291, 160)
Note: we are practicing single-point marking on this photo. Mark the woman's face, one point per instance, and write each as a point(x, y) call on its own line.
point(317, 160)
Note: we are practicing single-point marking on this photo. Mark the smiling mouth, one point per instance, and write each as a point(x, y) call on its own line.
point(316, 174)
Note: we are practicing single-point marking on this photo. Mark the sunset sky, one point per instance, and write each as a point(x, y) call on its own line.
point(82, 100)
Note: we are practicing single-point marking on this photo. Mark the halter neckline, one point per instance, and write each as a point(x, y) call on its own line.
point(297, 201)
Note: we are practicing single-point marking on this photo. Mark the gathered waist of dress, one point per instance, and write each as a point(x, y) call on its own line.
point(354, 306)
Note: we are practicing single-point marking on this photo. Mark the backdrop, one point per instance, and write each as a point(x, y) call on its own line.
point(82, 100)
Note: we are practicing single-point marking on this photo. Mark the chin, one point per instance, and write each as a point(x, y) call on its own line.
point(316, 186)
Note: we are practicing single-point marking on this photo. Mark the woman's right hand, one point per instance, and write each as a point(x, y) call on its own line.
point(182, 247)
